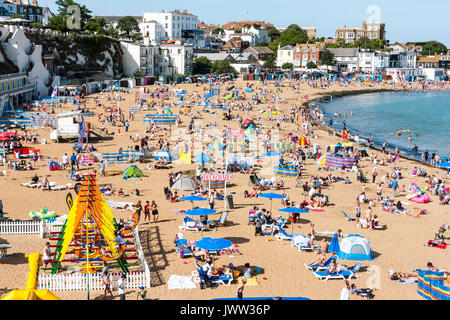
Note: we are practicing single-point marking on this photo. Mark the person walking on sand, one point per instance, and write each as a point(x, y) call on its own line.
point(121, 287)
point(240, 289)
point(107, 283)
point(345, 291)
point(155, 212)
point(374, 174)
point(394, 187)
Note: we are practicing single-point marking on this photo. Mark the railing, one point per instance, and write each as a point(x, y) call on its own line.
point(13, 75)
point(18, 90)
point(28, 227)
point(79, 281)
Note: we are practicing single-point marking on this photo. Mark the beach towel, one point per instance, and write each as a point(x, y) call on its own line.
point(252, 282)
point(408, 281)
point(180, 282)
point(434, 244)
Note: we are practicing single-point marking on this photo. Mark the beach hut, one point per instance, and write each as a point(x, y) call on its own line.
point(132, 172)
point(355, 247)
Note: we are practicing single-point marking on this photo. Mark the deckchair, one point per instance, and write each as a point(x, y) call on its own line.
point(283, 235)
point(318, 267)
point(325, 275)
point(223, 218)
point(348, 217)
point(299, 183)
point(203, 279)
point(182, 247)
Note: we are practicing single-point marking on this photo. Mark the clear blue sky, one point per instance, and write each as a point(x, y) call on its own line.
point(406, 20)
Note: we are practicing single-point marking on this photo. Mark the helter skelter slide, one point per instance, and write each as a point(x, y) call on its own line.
point(90, 233)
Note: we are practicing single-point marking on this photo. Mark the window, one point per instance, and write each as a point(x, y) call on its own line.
point(305, 56)
point(313, 57)
point(341, 35)
point(167, 17)
point(167, 25)
point(350, 35)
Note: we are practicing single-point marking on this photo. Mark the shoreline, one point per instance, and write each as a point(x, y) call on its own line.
point(339, 94)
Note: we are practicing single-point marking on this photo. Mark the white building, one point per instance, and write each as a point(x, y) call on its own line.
point(434, 74)
point(253, 35)
point(372, 62)
point(404, 74)
point(285, 55)
point(154, 60)
point(347, 59)
point(174, 25)
point(46, 15)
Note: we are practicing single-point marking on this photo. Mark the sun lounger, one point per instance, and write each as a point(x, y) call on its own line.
point(348, 217)
point(192, 225)
point(59, 188)
point(283, 235)
point(317, 267)
point(202, 279)
point(326, 275)
point(182, 248)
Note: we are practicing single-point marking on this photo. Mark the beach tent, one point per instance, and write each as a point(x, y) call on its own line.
point(303, 141)
point(185, 183)
point(163, 154)
point(355, 247)
point(54, 166)
point(132, 172)
point(203, 158)
point(322, 160)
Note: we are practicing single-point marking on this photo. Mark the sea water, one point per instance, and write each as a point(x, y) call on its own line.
point(381, 115)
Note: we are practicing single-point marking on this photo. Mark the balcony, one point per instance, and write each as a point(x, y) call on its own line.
point(25, 88)
point(13, 76)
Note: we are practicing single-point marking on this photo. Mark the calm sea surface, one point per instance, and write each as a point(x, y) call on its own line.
point(376, 115)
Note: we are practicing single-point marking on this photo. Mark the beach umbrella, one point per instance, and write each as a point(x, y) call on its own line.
point(193, 198)
point(163, 154)
point(271, 196)
point(293, 210)
point(5, 138)
point(248, 90)
point(212, 244)
point(334, 245)
point(9, 134)
point(185, 184)
point(200, 212)
point(444, 165)
point(271, 154)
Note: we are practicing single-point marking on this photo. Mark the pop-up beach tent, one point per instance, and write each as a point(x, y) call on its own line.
point(355, 247)
point(132, 172)
point(54, 166)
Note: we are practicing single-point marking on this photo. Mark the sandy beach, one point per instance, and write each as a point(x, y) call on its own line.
point(402, 246)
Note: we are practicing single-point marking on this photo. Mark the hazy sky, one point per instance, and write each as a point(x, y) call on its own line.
point(411, 20)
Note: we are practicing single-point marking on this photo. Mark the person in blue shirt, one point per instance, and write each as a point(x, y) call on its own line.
point(73, 161)
point(394, 187)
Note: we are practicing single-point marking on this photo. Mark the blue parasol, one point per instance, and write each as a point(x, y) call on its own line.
point(293, 210)
point(212, 244)
point(193, 198)
point(334, 245)
point(200, 212)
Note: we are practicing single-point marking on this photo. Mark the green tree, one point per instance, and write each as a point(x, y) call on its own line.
point(256, 26)
point(340, 43)
point(57, 22)
point(217, 31)
point(262, 44)
point(222, 66)
point(274, 33)
point(63, 8)
point(37, 25)
point(113, 32)
point(202, 65)
point(287, 66)
point(128, 26)
point(432, 47)
point(96, 25)
point(17, 16)
point(138, 73)
point(327, 59)
point(311, 65)
point(270, 63)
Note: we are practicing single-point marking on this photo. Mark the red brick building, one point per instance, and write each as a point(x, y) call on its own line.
point(308, 52)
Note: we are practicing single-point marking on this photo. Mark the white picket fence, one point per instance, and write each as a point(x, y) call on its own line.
point(78, 281)
point(29, 227)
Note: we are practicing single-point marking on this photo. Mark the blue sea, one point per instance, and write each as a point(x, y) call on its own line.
point(376, 115)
